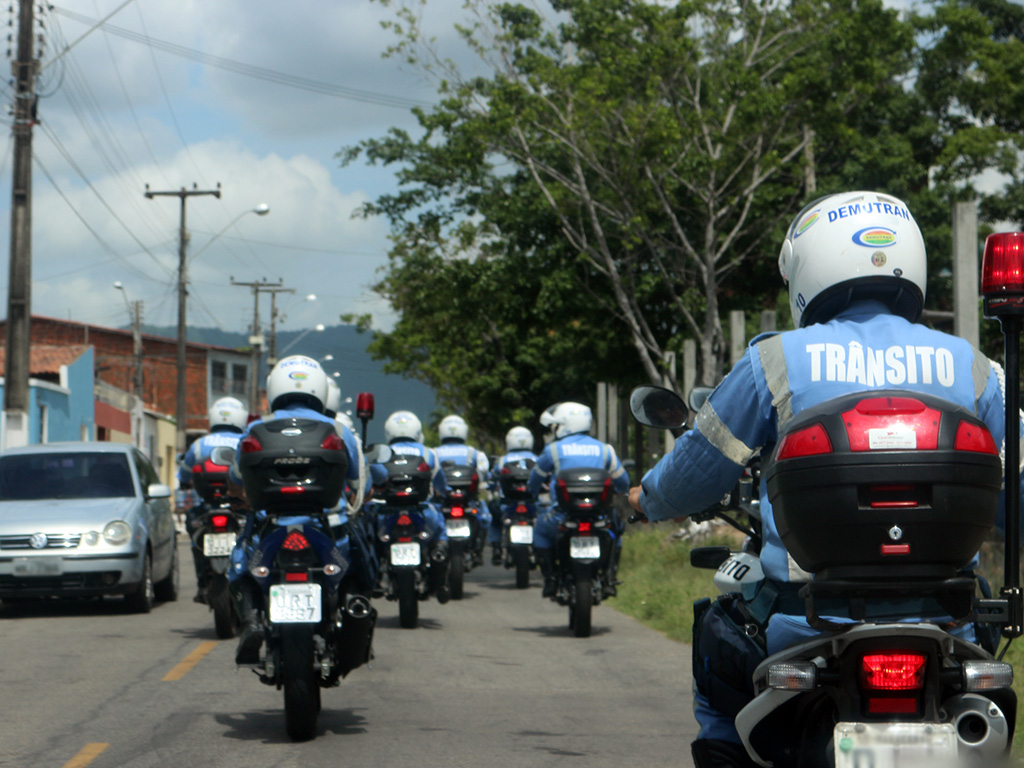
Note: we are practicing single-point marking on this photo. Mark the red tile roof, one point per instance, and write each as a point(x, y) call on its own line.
point(46, 358)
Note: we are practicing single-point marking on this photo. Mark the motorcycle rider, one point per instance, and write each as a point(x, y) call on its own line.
point(227, 418)
point(296, 388)
point(404, 433)
point(856, 271)
point(572, 448)
point(454, 431)
point(518, 447)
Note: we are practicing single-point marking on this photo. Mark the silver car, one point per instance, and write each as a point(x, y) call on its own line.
point(85, 519)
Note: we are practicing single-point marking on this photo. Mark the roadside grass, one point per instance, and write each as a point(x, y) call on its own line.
point(659, 587)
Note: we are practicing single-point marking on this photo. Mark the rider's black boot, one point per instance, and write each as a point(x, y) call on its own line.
point(712, 753)
point(496, 558)
point(611, 577)
point(251, 635)
point(546, 561)
point(440, 559)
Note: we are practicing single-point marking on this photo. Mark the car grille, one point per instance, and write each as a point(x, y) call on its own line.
point(53, 541)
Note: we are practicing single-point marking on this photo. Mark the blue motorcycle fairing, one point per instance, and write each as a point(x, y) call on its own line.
point(326, 550)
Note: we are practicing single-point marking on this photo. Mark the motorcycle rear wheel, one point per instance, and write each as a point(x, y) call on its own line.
point(522, 557)
point(408, 602)
point(301, 688)
point(580, 607)
point(225, 619)
point(457, 574)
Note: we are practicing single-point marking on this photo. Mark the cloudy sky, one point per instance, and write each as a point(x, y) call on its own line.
point(254, 95)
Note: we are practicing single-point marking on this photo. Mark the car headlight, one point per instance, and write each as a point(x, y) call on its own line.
point(117, 533)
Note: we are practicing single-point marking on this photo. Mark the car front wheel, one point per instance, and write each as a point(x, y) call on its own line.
point(141, 600)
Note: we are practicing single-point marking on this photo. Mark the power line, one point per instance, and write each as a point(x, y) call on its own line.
point(249, 70)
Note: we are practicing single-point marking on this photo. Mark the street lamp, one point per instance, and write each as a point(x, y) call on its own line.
point(136, 321)
point(319, 328)
point(260, 210)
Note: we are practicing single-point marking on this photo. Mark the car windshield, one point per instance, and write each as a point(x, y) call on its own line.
point(64, 476)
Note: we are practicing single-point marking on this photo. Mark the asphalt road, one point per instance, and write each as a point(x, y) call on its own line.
point(496, 679)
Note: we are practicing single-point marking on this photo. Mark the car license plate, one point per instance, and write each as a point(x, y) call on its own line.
point(457, 529)
point(521, 534)
point(584, 547)
point(38, 566)
point(218, 544)
point(405, 554)
point(887, 745)
point(294, 603)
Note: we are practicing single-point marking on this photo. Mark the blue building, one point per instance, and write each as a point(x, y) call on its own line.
point(61, 394)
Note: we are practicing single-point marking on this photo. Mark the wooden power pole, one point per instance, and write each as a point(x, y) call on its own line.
point(19, 286)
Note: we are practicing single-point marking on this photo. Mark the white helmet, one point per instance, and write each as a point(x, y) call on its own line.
point(519, 439)
point(403, 424)
point(343, 418)
point(297, 379)
point(567, 419)
point(453, 427)
point(228, 411)
point(851, 246)
point(333, 396)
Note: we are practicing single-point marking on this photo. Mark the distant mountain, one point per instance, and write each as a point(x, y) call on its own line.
point(357, 371)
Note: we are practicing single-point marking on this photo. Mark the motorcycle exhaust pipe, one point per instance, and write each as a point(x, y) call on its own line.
point(358, 607)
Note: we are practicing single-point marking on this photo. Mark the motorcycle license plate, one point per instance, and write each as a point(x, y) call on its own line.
point(888, 745)
point(405, 554)
point(521, 534)
point(457, 529)
point(584, 547)
point(218, 544)
point(294, 603)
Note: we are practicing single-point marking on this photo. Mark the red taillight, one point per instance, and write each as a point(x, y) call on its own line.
point(892, 423)
point(219, 522)
point(810, 441)
point(563, 491)
point(895, 671)
point(506, 471)
point(423, 467)
point(295, 542)
point(250, 444)
point(197, 469)
point(296, 576)
point(333, 442)
point(403, 520)
point(975, 438)
point(474, 481)
point(892, 705)
point(458, 512)
point(521, 509)
point(1002, 267)
point(292, 489)
point(584, 527)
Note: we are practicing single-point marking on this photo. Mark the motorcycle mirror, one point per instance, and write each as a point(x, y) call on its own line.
point(697, 397)
point(380, 453)
point(223, 456)
point(658, 407)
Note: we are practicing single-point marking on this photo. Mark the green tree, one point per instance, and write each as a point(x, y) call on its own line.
point(647, 158)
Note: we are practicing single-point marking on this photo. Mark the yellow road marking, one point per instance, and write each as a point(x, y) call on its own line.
point(86, 755)
point(190, 661)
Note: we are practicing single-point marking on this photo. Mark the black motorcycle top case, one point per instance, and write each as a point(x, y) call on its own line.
point(292, 469)
point(408, 481)
point(908, 489)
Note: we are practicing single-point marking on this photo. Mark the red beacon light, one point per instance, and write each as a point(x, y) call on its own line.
point(364, 405)
point(1002, 274)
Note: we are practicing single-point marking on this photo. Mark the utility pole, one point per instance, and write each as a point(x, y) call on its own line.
point(256, 339)
point(19, 285)
point(272, 352)
point(137, 348)
point(181, 415)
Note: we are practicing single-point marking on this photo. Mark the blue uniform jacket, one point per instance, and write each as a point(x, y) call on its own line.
point(863, 348)
point(576, 452)
point(201, 448)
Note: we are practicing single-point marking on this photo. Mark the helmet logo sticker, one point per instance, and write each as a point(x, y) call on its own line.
point(806, 223)
point(875, 237)
point(298, 375)
point(878, 259)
